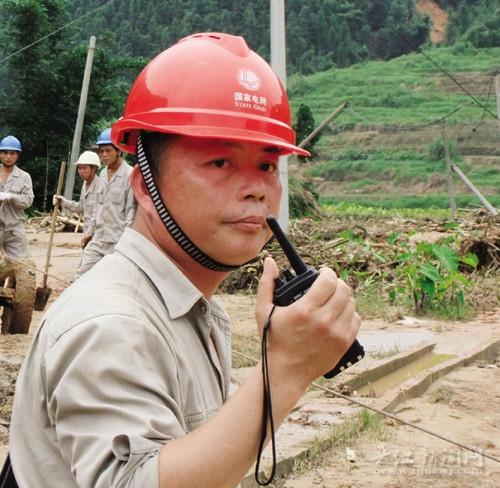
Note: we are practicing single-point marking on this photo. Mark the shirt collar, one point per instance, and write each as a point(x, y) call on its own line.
point(16, 172)
point(178, 293)
point(121, 171)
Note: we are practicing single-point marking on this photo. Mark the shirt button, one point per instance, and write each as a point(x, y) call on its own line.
point(203, 308)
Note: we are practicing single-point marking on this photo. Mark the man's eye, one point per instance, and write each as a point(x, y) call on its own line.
point(269, 167)
point(220, 163)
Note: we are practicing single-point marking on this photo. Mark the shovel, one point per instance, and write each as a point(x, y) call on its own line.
point(43, 293)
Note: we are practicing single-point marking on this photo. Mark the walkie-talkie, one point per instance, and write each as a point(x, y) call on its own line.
point(295, 286)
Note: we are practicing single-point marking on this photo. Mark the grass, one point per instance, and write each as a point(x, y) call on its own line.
point(385, 352)
point(442, 394)
point(387, 96)
point(364, 170)
point(345, 434)
point(346, 209)
point(411, 84)
point(400, 203)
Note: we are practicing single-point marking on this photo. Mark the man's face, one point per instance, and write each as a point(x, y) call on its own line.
point(220, 193)
point(86, 171)
point(9, 158)
point(108, 154)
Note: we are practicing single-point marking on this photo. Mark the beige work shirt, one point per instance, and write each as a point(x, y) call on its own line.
point(129, 357)
point(86, 206)
point(18, 184)
point(115, 207)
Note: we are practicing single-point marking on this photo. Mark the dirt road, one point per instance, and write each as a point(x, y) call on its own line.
point(464, 405)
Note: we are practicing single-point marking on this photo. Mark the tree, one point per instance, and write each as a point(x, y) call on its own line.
point(304, 125)
point(39, 103)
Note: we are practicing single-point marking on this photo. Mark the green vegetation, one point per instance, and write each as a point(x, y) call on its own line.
point(320, 33)
point(347, 433)
point(398, 166)
point(40, 88)
point(362, 212)
point(430, 275)
point(405, 91)
point(400, 203)
point(381, 151)
point(329, 48)
point(473, 21)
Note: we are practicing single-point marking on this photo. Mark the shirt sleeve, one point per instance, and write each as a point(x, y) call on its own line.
point(113, 398)
point(93, 217)
point(130, 207)
point(24, 198)
point(73, 206)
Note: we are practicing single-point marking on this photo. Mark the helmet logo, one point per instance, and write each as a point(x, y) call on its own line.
point(248, 79)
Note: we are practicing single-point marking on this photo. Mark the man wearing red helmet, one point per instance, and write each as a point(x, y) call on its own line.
point(127, 381)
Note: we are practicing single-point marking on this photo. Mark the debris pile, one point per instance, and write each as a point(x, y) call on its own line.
point(362, 249)
point(67, 222)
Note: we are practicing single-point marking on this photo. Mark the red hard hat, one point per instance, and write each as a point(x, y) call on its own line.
point(208, 85)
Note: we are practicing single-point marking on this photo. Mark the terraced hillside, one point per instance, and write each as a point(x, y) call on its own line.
point(387, 147)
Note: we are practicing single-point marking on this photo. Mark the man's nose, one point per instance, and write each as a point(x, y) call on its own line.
point(253, 185)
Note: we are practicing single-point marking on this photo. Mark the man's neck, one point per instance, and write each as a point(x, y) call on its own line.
point(206, 280)
point(114, 167)
point(7, 170)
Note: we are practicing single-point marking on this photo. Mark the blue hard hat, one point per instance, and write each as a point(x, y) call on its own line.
point(10, 143)
point(104, 137)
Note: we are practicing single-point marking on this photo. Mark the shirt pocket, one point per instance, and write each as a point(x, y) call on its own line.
point(16, 188)
point(91, 198)
point(116, 196)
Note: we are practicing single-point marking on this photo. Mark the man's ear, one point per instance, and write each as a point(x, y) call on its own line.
point(141, 193)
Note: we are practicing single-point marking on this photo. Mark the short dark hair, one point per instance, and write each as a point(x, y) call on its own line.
point(155, 144)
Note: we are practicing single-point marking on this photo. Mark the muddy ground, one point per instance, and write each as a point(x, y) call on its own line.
point(464, 405)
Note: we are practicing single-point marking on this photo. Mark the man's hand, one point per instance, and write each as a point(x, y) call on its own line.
point(4, 196)
point(308, 337)
point(85, 240)
point(59, 201)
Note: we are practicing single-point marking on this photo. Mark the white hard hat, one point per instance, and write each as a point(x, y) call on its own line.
point(90, 158)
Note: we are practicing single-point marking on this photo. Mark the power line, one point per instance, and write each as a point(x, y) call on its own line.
point(401, 127)
point(56, 31)
point(440, 68)
point(378, 411)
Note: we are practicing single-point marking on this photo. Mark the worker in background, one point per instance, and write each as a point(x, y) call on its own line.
point(16, 195)
point(87, 166)
point(127, 382)
point(115, 207)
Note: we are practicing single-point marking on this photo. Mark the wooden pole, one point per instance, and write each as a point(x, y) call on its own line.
point(323, 124)
point(77, 136)
point(497, 91)
point(449, 174)
point(473, 189)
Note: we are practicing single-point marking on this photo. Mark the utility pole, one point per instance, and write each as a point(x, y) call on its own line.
point(323, 124)
point(449, 174)
point(77, 136)
point(497, 91)
point(487, 205)
point(278, 63)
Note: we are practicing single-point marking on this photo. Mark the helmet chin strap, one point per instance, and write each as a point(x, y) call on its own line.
point(168, 221)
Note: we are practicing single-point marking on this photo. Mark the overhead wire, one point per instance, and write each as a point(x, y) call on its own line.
point(443, 70)
point(439, 120)
point(383, 413)
point(24, 48)
point(402, 127)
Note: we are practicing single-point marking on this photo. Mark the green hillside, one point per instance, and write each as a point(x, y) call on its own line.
point(387, 149)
